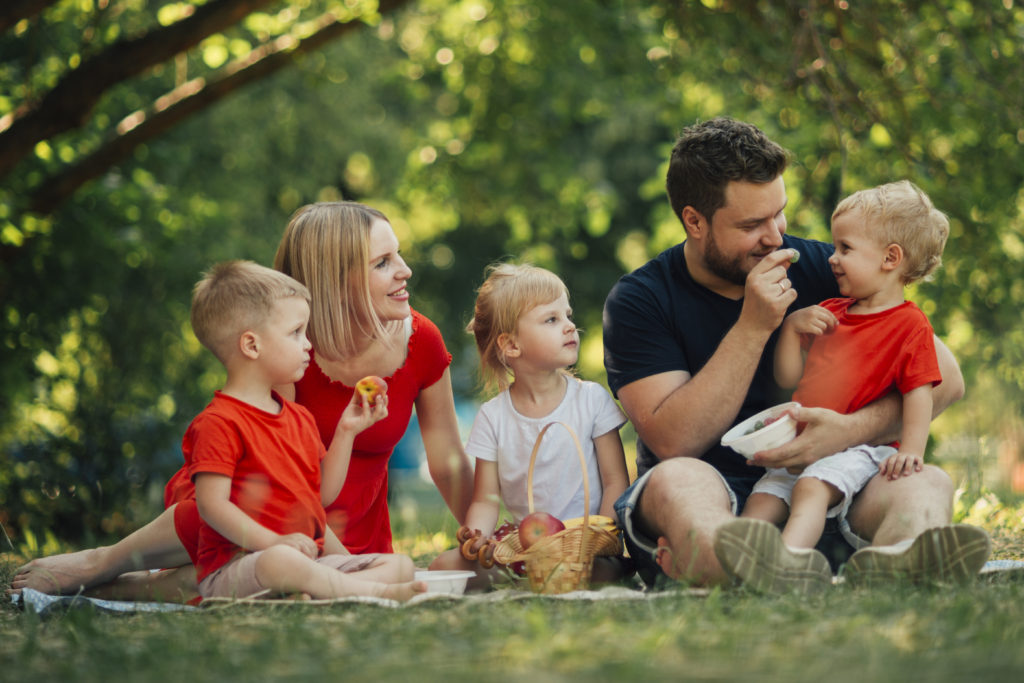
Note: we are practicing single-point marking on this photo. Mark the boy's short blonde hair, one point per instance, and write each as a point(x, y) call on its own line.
point(326, 246)
point(235, 296)
point(901, 213)
point(508, 291)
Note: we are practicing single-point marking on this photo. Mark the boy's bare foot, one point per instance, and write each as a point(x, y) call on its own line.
point(59, 574)
point(403, 591)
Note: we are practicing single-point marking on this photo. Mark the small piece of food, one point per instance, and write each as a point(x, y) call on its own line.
point(371, 387)
point(761, 424)
point(536, 526)
point(795, 257)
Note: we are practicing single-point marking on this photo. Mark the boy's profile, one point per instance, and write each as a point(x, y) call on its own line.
point(255, 457)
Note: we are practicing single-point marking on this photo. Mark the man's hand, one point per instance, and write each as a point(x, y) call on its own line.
point(768, 292)
point(824, 432)
point(301, 542)
point(901, 464)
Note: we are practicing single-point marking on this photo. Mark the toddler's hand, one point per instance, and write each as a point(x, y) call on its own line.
point(359, 414)
point(901, 465)
point(301, 542)
point(814, 320)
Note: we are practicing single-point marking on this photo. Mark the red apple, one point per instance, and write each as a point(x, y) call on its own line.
point(371, 387)
point(536, 526)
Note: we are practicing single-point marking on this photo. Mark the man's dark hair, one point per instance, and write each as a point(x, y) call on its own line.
point(709, 155)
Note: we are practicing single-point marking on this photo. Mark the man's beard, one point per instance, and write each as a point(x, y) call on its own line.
point(729, 269)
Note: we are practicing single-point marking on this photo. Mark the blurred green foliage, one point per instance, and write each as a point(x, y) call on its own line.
point(485, 129)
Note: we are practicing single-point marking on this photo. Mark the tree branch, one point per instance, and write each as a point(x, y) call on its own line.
point(184, 101)
point(68, 104)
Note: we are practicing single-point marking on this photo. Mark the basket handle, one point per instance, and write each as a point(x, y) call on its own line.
point(583, 467)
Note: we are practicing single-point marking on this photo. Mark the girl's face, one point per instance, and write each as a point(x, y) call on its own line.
point(546, 336)
point(858, 258)
point(389, 274)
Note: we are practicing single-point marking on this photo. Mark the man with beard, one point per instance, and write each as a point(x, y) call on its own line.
point(689, 341)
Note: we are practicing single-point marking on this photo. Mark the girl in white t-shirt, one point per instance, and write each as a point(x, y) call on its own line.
point(527, 341)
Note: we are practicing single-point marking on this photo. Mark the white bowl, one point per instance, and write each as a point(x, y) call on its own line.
point(746, 440)
point(452, 582)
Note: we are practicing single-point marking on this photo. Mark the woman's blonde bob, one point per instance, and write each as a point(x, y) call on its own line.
point(326, 248)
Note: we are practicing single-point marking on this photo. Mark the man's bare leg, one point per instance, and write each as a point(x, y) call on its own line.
point(682, 505)
point(154, 546)
point(908, 523)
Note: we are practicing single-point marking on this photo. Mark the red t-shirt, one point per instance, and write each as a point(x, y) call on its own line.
point(273, 461)
point(359, 516)
point(867, 356)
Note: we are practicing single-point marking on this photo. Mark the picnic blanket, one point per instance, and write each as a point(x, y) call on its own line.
point(48, 605)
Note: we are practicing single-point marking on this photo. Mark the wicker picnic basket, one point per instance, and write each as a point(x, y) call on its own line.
point(562, 562)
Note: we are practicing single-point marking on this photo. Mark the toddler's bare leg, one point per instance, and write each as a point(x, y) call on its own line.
point(154, 546)
point(284, 569)
point(767, 507)
point(388, 569)
point(811, 500)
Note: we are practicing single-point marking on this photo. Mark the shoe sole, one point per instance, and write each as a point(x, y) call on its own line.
point(953, 553)
point(751, 552)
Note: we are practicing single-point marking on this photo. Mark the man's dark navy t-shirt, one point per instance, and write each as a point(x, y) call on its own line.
point(658, 319)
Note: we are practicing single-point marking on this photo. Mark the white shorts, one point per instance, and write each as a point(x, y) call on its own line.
point(849, 471)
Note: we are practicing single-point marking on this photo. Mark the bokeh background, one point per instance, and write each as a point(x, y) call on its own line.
point(143, 140)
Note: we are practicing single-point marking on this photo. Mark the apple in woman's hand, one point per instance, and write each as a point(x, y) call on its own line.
point(536, 526)
point(371, 387)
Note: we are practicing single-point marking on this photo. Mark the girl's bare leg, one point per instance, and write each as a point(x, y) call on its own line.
point(154, 546)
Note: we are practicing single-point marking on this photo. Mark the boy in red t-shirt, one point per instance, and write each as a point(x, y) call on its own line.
point(842, 355)
point(255, 457)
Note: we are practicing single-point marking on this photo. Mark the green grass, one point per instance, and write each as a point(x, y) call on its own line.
point(892, 633)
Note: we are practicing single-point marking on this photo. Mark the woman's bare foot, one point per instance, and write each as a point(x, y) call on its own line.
point(403, 591)
point(61, 574)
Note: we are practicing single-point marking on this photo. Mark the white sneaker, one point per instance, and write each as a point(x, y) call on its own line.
point(955, 552)
point(751, 551)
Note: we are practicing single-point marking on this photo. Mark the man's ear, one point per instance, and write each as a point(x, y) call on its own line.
point(694, 223)
point(508, 346)
point(893, 257)
point(249, 344)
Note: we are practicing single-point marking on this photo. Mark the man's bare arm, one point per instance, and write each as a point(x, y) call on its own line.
point(679, 414)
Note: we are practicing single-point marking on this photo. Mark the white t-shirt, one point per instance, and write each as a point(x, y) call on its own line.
point(503, 435)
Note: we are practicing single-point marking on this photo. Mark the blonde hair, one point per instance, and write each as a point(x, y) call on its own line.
point(901, 213)
point(326, 247)
point(235, 296)
point(508, 291)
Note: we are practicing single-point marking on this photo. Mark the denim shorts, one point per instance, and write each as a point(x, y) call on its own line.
point(642, 547)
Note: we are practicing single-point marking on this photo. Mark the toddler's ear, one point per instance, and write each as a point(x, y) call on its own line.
point(508, 346)
point(249, 344)
point(893, 257)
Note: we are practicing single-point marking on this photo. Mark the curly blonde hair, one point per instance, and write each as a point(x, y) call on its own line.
point(901, 213)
